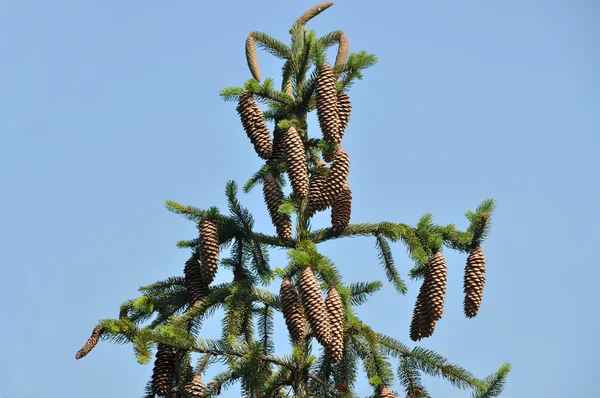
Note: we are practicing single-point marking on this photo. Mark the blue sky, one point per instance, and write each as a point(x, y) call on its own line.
point(109, 108)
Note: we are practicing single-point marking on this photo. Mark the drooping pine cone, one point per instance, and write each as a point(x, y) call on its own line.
point(209, 243)
point(313, 12)
point(274, 198)
point(337, 177)
point(291, 309)
point(164, 369)
point(342, 54)
point(423, 322)
point(255, 126)
point(90, 343)
point(335, 309)
point(251, 57)
point(474, 281)
point(386, 393)
point(435, 282)
point(344, 110)
point(194, 285)
point(315, 309)
point(278, 144)
point(296, 161)
point(316, 184)
point(195, 388)
point(341, 210)
point(327, 105)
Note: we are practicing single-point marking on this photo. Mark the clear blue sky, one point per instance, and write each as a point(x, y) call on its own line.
point(109, 108)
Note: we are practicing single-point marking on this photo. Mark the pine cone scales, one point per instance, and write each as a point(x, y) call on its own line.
point(316, 184)
point(386, 393)
point(337, 177)
point(273, 199)
point(435, 283)
point(193, 280)
point(209, 242)
point(278, 144)
point(344, 110)
point(90, 343)
point(164, 367)
point(251, 57)
point(292, 312)
point(195, 388)
point(335, 309)
point(255, 126)
point(316, 311)
point(341, 210)
point(474, 281)
point(296, 161)
point(327, 105)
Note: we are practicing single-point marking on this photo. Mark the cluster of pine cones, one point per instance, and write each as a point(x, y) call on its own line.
point(430, 301)
point(325, 317)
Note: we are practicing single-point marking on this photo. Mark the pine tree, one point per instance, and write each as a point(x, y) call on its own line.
point(332, 346)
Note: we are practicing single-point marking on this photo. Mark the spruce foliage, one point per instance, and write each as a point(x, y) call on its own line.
point(331, 346)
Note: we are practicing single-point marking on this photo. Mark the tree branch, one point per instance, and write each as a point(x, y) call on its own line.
point(331, 390)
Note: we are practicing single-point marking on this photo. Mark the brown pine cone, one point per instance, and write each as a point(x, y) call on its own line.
point(316, 183)
point(344, 110)
point(342, 54)
point(296, 162)
point(327, 105)
point(337, 177)
point(251, 57)
point(315, 309)
point(90, 343)
point(474, 281)
point(341, 210)
point(195, 388)
point(209, 243)
point(335, 309)
point(254, 124)
point(435, 282)
point(291, 309)
point(274, 198)
point(278, 144)
point(194, 285)
point(313, 12)
point(164, 368)
point(386, 393)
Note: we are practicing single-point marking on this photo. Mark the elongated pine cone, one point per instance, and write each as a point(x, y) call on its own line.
point(90, 343)
point(251, 57)
point(315, 309)
point(194, 285)
point(209, 243)
point(423, 322)
point(386, 393)
point(342, 54)
point(474, 281)
point(341, 210)
point(255, 126)
point(274, 198)
point(296, 161)
point(335, 309)
point(316, 184)
point(278, 144)
point(291, 309)
point(313, 12)
point(164, 369)
point(195, 388)
point(337, 177)
point(435, 283)
point(327, 105)
point(344, 110)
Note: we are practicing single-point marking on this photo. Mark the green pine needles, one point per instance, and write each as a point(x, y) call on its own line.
point(331, 347)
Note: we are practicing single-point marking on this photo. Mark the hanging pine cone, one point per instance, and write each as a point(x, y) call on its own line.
point(386, 393)
point(164, 369)
point(316, 183)
point(335, 309)
point(316, 311)
point(90, 343)
point(195, 388)
point(342, 54)
point(474, 281)
point(274, 198)
point(435, 284)
point(292, 312)
point(423, 322)
point(251, 57)
point(254, 124)
point(296, 161)
point(327, 105)
point(209, 243)
point(341, 210)
point(344, 110)
point(313, 12)
point(337, 177)
point(278, 144)
point(194, 285)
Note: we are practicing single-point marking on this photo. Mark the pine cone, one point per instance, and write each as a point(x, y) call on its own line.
point(335, 309)
point(316, 311)
point(344, 110)
point(164, 369)
point(274, 198)
point(313, 12)
point(474, 281)
point(90, 343)
point(292, 312)
point(341, 210)
point(195, 388)
point(278, 144)
point(435, 282)
point(194, 285)
point(386, 393)
point(316, 184)
point(251, 57)
point(209, 243)
point(337, 177)
point(296, 161)
point(422, 324)
point(327, 105)
point(254, 124)
point(342, 54)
